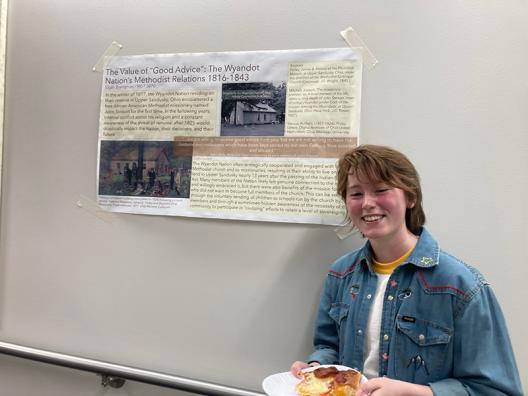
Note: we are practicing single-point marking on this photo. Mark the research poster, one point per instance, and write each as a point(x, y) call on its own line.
point(231, 135)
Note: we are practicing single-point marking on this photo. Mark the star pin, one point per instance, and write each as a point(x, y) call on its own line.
point(426, 260)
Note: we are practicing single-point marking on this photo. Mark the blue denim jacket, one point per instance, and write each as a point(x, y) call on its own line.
point(441, 323)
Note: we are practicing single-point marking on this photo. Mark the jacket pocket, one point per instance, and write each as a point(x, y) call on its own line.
point(338, 312)
point(421, 349)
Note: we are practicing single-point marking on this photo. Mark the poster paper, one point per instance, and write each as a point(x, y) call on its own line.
point(232, 135)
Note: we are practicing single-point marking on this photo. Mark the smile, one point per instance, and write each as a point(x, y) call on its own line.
point(372, 218)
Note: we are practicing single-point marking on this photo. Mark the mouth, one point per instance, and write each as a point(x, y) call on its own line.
point(372, 218)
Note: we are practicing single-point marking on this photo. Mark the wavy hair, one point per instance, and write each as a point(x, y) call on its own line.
point(382, 164)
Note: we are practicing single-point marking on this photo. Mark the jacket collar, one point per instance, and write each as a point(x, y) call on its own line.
point(426, 253)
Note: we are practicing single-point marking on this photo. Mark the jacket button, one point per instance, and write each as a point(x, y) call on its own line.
point(360, 332)
point(421, 338)
point(386, 337)
point(369, 296)
point(390, 298)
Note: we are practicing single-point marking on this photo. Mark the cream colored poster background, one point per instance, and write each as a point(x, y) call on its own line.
point(261, 131)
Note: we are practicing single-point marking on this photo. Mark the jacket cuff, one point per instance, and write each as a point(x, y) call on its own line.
point(323, 356)
point(448, 387)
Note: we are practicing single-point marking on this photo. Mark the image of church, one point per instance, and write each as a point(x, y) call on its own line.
point(244, 113)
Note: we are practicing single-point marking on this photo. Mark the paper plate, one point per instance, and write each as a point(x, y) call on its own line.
point(283, 384)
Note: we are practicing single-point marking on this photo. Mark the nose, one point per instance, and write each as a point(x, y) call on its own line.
point(368, 201)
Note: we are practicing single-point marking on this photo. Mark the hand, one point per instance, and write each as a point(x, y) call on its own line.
point(388, 387)
point(298, 366)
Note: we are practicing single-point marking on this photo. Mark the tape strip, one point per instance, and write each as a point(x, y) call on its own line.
point(96, 210)
point(110, 51)
point(345, 231)
point(353, 40)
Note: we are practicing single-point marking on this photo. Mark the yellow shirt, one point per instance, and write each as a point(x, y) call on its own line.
point(388, 268)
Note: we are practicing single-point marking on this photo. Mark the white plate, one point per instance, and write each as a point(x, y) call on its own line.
point(283, 384)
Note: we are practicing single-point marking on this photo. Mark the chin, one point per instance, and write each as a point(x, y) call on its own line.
point(373, 234)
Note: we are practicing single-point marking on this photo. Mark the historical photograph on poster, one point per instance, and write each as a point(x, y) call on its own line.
point(253, 109)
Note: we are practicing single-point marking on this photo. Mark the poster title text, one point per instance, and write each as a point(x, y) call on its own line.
point(211, 73)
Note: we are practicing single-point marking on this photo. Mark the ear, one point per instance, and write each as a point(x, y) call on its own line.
point(410, 204)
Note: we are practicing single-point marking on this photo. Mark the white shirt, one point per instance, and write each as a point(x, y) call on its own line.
point(371, 352)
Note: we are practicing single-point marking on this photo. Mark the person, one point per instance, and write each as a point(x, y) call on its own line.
point(134, 173)
point(152, 178)
point(159, 188)
point(172, 174)
point(128, 175)
point(413, 318)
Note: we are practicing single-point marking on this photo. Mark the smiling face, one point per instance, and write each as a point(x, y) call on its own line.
point(377, 209)
point(383, 164)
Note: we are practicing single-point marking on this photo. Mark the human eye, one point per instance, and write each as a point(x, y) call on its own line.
point(382, 189)
point(354, 194)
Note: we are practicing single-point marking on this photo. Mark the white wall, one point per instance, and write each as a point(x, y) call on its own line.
point(228, 301)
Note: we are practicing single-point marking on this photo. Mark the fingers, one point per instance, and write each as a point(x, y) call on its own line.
point(297, 367)
point(369, 387)
point(390, 387)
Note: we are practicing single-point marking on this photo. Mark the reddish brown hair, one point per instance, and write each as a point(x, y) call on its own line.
point(382, 164)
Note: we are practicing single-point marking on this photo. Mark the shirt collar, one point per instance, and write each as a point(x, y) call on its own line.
point(426, 253)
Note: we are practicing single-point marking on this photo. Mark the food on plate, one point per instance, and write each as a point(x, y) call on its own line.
point(329, 381)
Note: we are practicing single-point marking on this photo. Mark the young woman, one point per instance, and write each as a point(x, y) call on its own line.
point(414, 319)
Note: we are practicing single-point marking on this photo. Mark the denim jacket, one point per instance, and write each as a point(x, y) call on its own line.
point(441, 323)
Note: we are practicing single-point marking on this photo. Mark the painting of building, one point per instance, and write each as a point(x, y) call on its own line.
point(153, 158)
